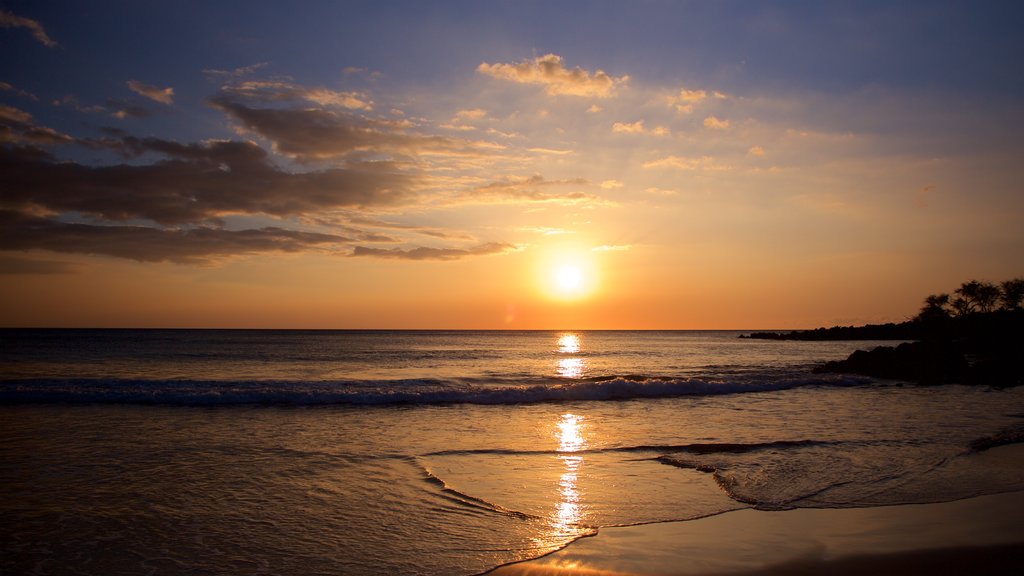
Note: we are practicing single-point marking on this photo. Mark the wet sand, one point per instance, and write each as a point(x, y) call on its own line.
point(983, 535)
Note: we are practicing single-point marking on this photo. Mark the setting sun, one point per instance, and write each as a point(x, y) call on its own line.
point(570, 280)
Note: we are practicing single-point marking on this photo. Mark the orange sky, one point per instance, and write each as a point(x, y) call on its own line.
point(490, 173)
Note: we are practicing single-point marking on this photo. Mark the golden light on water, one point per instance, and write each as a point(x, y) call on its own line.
point(569, 343)
point(570, 433)
point(569, 367)
point(569, 512)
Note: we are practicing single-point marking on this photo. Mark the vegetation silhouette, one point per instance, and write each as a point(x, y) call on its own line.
point(974, 336)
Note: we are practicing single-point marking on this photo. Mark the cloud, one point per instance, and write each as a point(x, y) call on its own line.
point(125, 109)
point(316, 133)
point(18, 127)
point(639, 128)
point(530, 189)
point(612, 248)
point(425, 230)
point(8, 20)
point(704, 163)
point(755, 151)
point(550, 151)
point(145, 244)
point(550, 72)
point(265, 91)
point(716, 124)
point(6, 87)
point(161, 95)
point(685, 100)
point(472, 114)
point(423, 253)
point(195, 183)
point(234, 74)
point(610, 184)
point(634, 128)
point(660, 191)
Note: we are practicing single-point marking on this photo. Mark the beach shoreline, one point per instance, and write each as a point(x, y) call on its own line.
point(979, 535)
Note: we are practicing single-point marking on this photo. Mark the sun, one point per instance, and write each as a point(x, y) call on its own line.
point(568, 279)
point(568, 274)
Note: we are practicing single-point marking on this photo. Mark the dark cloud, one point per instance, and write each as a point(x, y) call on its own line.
point(423, 253)
point(196, 183)
point(18, 127)
point(24, 232)
point(170, 201)
point(317, 133)
point(126, 109)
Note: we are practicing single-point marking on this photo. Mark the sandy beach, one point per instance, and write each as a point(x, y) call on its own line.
point(982, 535)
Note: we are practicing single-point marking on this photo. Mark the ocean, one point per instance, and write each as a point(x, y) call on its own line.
point(446, 452)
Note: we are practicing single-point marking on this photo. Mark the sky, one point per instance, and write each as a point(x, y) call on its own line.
point(505, 164)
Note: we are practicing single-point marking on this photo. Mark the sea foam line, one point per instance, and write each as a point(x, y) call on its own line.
point(389, 392)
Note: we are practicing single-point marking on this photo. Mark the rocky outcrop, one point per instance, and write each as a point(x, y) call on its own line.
point(984, 349)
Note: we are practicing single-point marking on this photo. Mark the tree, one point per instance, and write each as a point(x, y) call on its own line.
point(934, 308)
point(1013, 293)
point(976, 296)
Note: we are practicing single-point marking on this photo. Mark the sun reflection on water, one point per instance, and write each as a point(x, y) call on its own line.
point(569, 512)
point(569, 343)
point(573, 367)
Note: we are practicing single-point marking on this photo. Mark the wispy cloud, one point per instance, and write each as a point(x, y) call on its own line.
point(280, 91)
point(161, 95)
point(6, 87)
point(531, 189)
point(424, 253)
point(550, 71)
point(9, 20)
point(706, 163)
point(18, 127)
point(240, 72)
point(612, 248)
point(313, 133)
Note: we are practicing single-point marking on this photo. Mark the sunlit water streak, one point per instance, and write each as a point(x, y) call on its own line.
point(302, 480)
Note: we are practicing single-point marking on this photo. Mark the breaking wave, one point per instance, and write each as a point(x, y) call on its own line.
point(397, 392)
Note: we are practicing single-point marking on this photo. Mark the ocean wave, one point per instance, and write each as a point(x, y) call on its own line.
point(396, 392)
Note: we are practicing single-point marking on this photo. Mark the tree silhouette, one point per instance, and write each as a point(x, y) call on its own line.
point(934, 308)
point(1013, 293)
point(976, 296)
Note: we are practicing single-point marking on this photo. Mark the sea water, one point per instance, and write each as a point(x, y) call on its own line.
point(409, 452)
